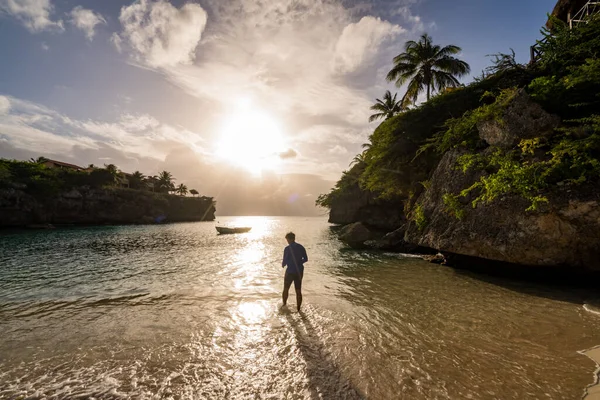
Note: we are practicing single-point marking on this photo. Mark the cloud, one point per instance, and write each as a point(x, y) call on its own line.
point(116, 40)
point(415, 21)
point(289, 153)
point(332, 134)
point(45, 47)
point(359, 42)
point(33, 14)
point(35, 128)
point(282, 53)
point(4, 105)
point(337, 149)
point(160, 34)
point(86, 20)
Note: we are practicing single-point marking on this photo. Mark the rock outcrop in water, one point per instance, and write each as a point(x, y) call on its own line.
point(359, 205)
point(100, 206)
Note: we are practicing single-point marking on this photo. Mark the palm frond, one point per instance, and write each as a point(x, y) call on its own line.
point(448, 50)
point(425, 65)
point(377, 116)
point(442, 80)
point(452, 65)
point(415, 87)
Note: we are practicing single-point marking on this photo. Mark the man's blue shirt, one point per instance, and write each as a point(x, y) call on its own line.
point(294, 256)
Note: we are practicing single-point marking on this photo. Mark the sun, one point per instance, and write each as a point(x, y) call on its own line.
point(251, 139)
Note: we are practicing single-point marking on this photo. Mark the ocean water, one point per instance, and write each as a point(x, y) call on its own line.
point(179, 312)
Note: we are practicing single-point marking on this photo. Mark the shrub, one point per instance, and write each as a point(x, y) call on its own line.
point(419, 217)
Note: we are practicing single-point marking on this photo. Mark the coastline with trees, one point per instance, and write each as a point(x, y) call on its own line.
point(44, 192)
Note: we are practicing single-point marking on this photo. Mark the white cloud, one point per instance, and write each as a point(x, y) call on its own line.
point(86, 20)
point(416, 22)
point(45, 47)
point(4, 105)
point(281, 52)
point(33, 14)
point(360, 42)
point(289, 153)
point(35, 128)
point(159, 34)
point(337, 149)
point(116, 40)
point(331, 134)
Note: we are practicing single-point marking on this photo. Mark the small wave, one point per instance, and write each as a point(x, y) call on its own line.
point(594, 355)
point(592, 309)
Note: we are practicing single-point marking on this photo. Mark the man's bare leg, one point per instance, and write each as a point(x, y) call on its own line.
point(298, 299)
point(284, 295)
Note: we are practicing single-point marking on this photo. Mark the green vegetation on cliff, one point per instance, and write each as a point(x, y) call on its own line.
point(568, 85)
point(405, 149)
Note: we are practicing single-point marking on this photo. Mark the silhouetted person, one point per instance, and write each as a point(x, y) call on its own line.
point(294, 257)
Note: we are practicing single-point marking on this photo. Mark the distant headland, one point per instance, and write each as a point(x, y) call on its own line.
point(43, 192)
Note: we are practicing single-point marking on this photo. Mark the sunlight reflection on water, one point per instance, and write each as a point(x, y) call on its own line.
point(253, 312)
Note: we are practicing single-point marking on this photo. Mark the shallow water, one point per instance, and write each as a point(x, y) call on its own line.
point(176, 311)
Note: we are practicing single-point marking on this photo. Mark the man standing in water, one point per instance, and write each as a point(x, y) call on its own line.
point(294, 257)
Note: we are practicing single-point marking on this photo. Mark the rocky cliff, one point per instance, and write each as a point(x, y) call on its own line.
point(360, 205)
point(563, 232)
point(500, 219)
point(100, 206)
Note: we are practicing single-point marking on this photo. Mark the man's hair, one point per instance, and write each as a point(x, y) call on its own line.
point(290, 235)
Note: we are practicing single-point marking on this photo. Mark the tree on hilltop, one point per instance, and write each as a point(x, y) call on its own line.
point(181, 190)
point(386, 108)
point(426, 66)
point(39, 160)
point(113, 171)
point(165, 182)
point(136, 180)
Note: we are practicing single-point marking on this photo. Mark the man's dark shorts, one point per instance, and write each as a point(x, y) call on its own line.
point(289, 278)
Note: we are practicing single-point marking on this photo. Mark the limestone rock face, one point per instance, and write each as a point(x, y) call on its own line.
point(394, 241)
point(362, 206)
point(355, 235)
point(522, 119)
point(565, 233)
point(72, 194)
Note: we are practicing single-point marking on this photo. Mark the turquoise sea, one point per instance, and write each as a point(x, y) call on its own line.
point(179, 312)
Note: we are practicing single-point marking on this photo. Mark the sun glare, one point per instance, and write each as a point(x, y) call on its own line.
point(251, 139)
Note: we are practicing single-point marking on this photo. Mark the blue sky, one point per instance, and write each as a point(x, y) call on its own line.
point(151, 85)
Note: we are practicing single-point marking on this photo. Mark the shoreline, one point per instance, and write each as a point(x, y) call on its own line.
point(50, 227)
point(592, 391)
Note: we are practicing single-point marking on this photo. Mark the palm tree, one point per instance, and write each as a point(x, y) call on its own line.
point(113, 171)
point(165, 182)
point(194, 192)
point(358, 159)
point(388, 107)
point(136, 180)
point(181, 190)
point(427, 66)
point(39, 160)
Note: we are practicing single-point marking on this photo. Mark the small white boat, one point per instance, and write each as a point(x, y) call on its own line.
point(224, 230)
